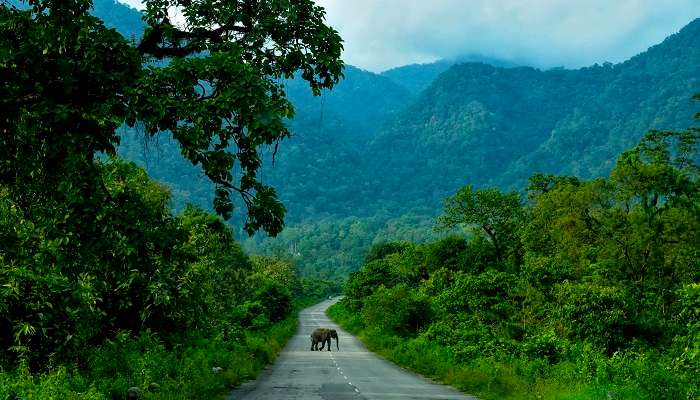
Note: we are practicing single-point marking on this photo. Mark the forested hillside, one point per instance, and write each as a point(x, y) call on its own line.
point(494, 126)
point(487, 125)
point(549, 220)
point(313, 171)
point(417, 77)
point(360, 166)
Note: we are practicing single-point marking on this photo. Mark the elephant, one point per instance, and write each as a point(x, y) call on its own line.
point(323, 335)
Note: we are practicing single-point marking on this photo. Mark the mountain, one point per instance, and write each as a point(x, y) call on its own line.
point(320, 162)
point(373, 159)
point(116, 15)
point(119, 16)
point(494, 126)
point(417, 77)
point(330, 134)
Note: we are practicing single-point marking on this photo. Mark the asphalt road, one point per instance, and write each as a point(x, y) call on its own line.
point(351, 373)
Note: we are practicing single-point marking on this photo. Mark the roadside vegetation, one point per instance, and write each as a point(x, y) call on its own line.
point(166, 302)
point(104, 291)
point(587, 289)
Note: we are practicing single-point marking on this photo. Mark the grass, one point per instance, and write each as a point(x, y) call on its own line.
point(587, 376)
point(182, 372)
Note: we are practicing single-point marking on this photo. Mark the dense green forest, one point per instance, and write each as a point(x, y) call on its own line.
point(105, 291)
point(366, 153)
point(155, 301)
point(583, 289)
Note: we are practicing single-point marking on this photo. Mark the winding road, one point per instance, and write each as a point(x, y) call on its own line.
point(351, 373)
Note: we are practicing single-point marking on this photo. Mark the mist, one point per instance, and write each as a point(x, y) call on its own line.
point(380, 34)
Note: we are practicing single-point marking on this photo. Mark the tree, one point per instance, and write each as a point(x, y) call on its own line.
point(213, 81)
point(276, 269)
point(540, 183)
point(658, 205)
point(495, 213)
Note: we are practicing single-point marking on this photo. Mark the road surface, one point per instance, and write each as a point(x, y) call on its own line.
point(351, 373)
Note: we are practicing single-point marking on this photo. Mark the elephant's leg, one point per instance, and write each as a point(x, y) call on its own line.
point(329, 344)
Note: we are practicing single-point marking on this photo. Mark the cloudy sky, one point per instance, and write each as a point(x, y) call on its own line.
point(380, 34)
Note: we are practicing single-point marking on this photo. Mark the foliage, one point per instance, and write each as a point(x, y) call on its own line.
point(276, 299)
point(181, 372)
point(91, 253)
point(396, 309)
point(216, 90)
point(602, 302)
point(316, 288)
point(381, 250)
point(331, 248)
point(147, 270)
point(493, 212)
point(369, 152)
point(160, 290)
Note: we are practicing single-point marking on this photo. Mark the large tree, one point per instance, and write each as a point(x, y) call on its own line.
point(494, 213)
point(209, 72)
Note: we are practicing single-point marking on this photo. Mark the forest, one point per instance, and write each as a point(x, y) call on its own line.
point(581, 289)
point(368, 150)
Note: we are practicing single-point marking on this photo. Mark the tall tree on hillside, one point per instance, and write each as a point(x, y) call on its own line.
point(494, 213)
point(212, 79)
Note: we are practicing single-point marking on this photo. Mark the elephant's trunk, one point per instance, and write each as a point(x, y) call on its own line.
point(337, 339)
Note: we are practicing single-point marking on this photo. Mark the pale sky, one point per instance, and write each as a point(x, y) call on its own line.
point(380, 34)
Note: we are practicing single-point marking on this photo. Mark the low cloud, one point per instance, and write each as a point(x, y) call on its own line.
point(381, 34)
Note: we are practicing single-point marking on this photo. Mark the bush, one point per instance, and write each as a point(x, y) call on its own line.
point(545, 345)
point(398, 309)
point(276, 300)
point(364, 282)
point(686, 346)
point(445, 253)
point(181, 373)
point(595, 313)
point(485, 296)
point(380, 250)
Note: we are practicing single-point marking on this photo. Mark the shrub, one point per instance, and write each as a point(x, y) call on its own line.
point(398, 309)
point(276, 299)
point(544, 345)
point(380, 250)
point(595, 313)
point(364, 282)
point(445, 253)
point(484, 295)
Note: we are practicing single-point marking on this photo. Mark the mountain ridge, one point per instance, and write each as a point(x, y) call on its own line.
point(496, 126)
point(382, 147)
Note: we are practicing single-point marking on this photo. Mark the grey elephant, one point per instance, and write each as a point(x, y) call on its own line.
point(323, 336)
